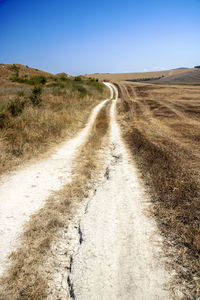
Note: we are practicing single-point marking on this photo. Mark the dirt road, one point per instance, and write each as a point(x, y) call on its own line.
point(120, 256)
point(23, 192)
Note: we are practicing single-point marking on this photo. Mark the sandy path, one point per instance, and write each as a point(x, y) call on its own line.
point(23, 192)
point(120, 256)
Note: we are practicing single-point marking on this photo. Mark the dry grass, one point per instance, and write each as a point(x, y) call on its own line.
point(26, 277)
point(6, 71)
point(161, 126)
point(63, 111)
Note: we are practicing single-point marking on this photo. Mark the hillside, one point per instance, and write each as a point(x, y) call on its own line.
point(187, 77)
point(129, 76)
point(7, 70)
point(37, 109)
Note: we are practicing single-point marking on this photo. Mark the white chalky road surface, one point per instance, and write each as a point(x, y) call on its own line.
point(120, 257)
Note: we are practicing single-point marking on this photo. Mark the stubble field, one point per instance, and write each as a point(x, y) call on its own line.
point(161, 125)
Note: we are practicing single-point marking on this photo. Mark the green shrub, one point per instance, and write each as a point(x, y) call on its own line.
point(56, 84)
point(18, 79)
point(82, 90)
point(36, 80)
point(36, 93)
point(15, 107)
point(3, 117)
point(96, 85)
point(77, 78)
point(62, 78)
point(40, 79)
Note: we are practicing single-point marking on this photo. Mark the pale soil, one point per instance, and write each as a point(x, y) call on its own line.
point(23, 192)
point(114, 248)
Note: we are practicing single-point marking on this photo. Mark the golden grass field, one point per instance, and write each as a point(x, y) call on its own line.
point(161, 126)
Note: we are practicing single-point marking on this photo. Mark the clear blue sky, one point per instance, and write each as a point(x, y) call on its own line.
point(90, 36)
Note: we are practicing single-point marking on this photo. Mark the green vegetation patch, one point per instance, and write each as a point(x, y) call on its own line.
point(96, 85)
point(36, 80)
point(81, 85)
point(16, 106)
point(144, 79)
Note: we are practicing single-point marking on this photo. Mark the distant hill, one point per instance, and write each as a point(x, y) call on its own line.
point(187, 77)
point(8, 70)
point(62, 75)
point(148, 75)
